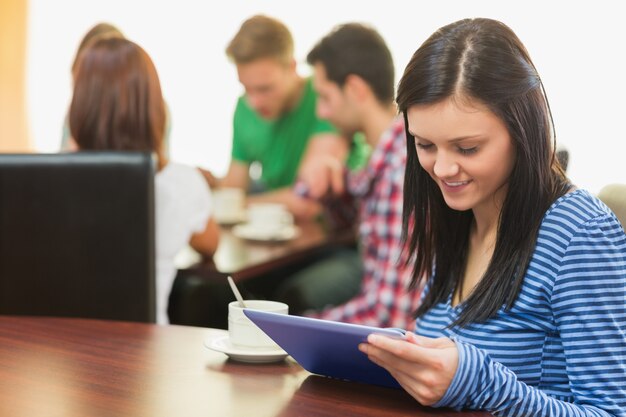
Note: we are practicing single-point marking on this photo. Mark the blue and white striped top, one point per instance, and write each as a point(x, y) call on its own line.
point(561, 349)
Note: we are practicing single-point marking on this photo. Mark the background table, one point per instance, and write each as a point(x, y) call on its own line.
point(75, 367)
point(244, 259)
point(200, 294)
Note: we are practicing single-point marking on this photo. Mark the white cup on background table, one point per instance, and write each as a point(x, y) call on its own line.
point(229, 205)
point(269, 217)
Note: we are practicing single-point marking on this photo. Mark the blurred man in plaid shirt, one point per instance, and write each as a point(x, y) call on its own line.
point(354, 79)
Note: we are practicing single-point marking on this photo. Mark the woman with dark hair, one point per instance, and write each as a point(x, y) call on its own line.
point(118, 106)
point(523, 311)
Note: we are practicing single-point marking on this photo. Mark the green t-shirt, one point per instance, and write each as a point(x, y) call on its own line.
point(278, 145)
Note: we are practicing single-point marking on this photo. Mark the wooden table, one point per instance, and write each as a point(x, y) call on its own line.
point(76, 367)
point(200, 294)
point(244, 259)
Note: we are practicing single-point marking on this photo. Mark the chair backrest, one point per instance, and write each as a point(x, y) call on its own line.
point(614, 196)
point(77, 235)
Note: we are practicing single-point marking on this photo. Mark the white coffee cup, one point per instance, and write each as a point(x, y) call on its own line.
point(228, 204)
point(242, 332)
point(269, 216)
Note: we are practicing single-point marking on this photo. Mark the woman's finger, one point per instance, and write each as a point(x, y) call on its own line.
point(425, 384)
point(410, 350)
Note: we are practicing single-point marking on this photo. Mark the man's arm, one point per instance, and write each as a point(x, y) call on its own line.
point(320, 147)
point(236, 177)
point(314, 170)
point(301, 208)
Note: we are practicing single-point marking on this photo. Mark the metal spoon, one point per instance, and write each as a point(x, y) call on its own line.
point(236, 292)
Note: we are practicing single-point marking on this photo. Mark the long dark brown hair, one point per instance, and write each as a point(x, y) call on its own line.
point(481, 60)
point(117, 102)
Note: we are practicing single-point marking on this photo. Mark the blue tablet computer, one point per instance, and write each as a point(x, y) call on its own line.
point(325, 347)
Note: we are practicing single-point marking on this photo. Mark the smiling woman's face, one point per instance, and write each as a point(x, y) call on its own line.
point(467, 151)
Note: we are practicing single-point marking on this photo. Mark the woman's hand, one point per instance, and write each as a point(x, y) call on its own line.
point(424, 367)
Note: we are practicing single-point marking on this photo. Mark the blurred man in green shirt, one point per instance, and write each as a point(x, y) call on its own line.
point(274, 124)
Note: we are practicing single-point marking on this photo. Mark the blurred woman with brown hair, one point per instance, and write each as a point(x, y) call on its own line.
point(118, 105)
point(103, 30)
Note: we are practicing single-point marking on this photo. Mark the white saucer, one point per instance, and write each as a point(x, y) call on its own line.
point(251, 232)
point(219, 342)
point(232, 218)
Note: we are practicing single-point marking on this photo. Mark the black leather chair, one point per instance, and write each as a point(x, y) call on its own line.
point(77, 235)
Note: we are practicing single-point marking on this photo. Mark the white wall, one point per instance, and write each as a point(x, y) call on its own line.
point(575, 48)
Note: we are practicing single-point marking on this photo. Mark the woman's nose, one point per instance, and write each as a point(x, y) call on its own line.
point(446, 165)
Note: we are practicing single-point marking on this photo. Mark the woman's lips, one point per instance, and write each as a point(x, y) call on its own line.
point(454, 186)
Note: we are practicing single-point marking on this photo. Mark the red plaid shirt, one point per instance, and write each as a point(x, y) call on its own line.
point(384, 299)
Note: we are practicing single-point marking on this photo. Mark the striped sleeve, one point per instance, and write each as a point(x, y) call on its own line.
point(588, 304)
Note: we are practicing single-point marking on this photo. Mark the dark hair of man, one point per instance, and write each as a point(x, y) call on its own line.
point(117, 102)
point(356, 49)
point(483, 61)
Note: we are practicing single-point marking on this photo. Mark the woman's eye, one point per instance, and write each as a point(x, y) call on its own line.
point(424, 145)
point(468, 151)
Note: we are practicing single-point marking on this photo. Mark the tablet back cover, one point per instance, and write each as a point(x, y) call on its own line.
point(326, 347)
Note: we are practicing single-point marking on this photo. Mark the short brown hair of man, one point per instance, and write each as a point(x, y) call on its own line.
point(261, 37)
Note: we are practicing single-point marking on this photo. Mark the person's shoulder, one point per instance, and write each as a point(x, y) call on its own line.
point(182, 185)
point(248, 120)
point(393, 144)
point(242, 106)
point(580, 203)
point(175, 169)
point(175, 172)
point(578, 210)
point(397, 132)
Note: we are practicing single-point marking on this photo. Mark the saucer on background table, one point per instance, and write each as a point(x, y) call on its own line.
point(219, 342)
point(251, 232)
